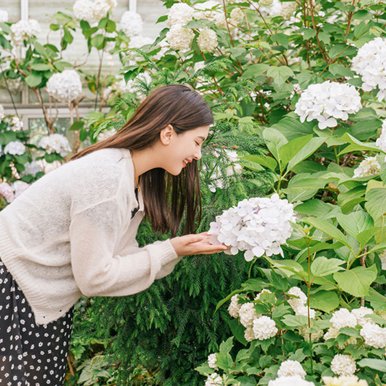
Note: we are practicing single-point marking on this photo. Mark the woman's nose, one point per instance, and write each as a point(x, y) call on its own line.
point(197, 155)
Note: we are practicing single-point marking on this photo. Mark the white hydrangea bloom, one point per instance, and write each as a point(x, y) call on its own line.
point(131, 23)
point(331, 333)
point(180, 38)
point(288, 9)
point(19, 187)
point(6, 191)
point(234, 306)
point(139, 41)
point(105, 134)
point(382, 257)
point(289, 368)
point(48, 166)
point(343, 318)
point(303, 310)
point(14, 148)
point(3, 16)
point(290, 381)
point(381, 141)
point(32, 168)
point(179, 14)
point(207, 40)
point(257, 226)
point(236, 17)
point(343, 365)
point(270, 7)
point(249, 334)
point(16, 124)
point(360, 314)
point(214, 380)
point(247, 314)
point(207, 10)
point(370, 64)
point(315, 336)
point(326, 102)
point(92, 11)
point(212, 361)
point(374, 335)
point(65, 86)
point(368, 167)
point(264, 328)
point(55, 143)
point(23, 30)
point(350, 380)
point(298, 301)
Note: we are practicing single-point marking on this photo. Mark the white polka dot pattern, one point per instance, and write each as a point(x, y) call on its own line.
point(30, 354)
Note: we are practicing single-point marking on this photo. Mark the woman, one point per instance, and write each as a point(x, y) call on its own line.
point(73, 231)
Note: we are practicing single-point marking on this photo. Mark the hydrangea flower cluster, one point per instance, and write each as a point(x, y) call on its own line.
point(381, 141)
point(214, 380)
point(291, 368)
point(212, 361)
point(229, 158)
point(13, 122)
point(207, 40)
point(179, 37)
point(11, 191)
point(368, 167)
point(55, 143)
point(23, 30)
point(299, 302)
point(290, 380)
point(343, 365)
point(131, 23)
point(93, 11)
point(326, 102)
point(370, 64)
point(344, 380)
point(14, 148)
point(257, 226)
point(65, 86)
point(41, 165)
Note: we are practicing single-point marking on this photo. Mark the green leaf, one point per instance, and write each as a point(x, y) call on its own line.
point(356, 281)
point(33, 80)
point(356, 145)
point(98, 41)
point(376, 202)
point(322, 266)
point(376, 364)
point(308, 33)
point(354, 223)
point(255, 70)
point(274, 140)
point(327, 228)
point(280, 74)
point(288, 267)
point(41, 67)
point(325, 301)
point(315, 208)
point(303, 187)
point(340, 70)
point(295, 320)
point(263, 160)
point(237, 330)
point(309, 148)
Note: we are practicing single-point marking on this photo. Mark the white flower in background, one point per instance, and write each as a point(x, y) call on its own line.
point(19, 187)
point(247, 314)
point(3, 16)
point(6, 191)
point(92, 11)
point(326, 102)
point(212, 361)
point(2, 115)
point(65, 86)
point(350, 380)
point(207, 10)
point(290, 381)
point(343, 365)
point(343, 318)
point(264, 328)
point(14, 148)
point(249, 334)
point(234, 307)
point(381, 141)
point(23, 30)
point(382, 257)
point(368, 167)
point(207, 40)
point(370, 64)
point(288, 9)
point(360, 314)
point(236, 17)
point(179, 38)
point(269, 7)
point(16, 124)
point(303, 310)
point(315, 336)
point(131, 23)
point(331, 333)
point(299, 300)
point(105, 134)
point(289, 368)
point(139, 41)
point(257, 226)
point(48, 166)
point(374, 335)
point(179, 14)
point(55, 143)
point(214, 380)
point(32, 168)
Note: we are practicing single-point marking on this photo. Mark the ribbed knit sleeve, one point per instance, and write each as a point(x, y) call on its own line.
point(98, 271)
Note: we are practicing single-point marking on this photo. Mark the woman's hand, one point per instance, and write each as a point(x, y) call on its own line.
point(196, 244)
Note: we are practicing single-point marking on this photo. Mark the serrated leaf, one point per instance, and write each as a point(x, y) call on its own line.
point(325, 301)
point(322, 266)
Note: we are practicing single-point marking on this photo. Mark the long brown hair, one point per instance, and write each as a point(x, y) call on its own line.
point(167, 199)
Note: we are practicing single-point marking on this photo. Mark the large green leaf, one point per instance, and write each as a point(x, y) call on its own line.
point(274, 141)
point(356, 281)
point(355, 223)
point(34, 79)
point(348, 200)
point(291, 127)
point(356, 145)
point(303, 187)
point(325, 301)
point(288, 267)
point(376, 202)
point(290, 149)
point(309, 148)
point(322, 266)
point(376, 364)
point(315, 208)
point(279, 74)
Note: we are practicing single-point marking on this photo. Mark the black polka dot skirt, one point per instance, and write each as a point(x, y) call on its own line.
point(30, 354)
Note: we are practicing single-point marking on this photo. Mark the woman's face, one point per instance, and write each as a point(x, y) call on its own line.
point(184, 148)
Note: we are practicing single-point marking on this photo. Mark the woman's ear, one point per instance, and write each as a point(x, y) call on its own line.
point(167, 134)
